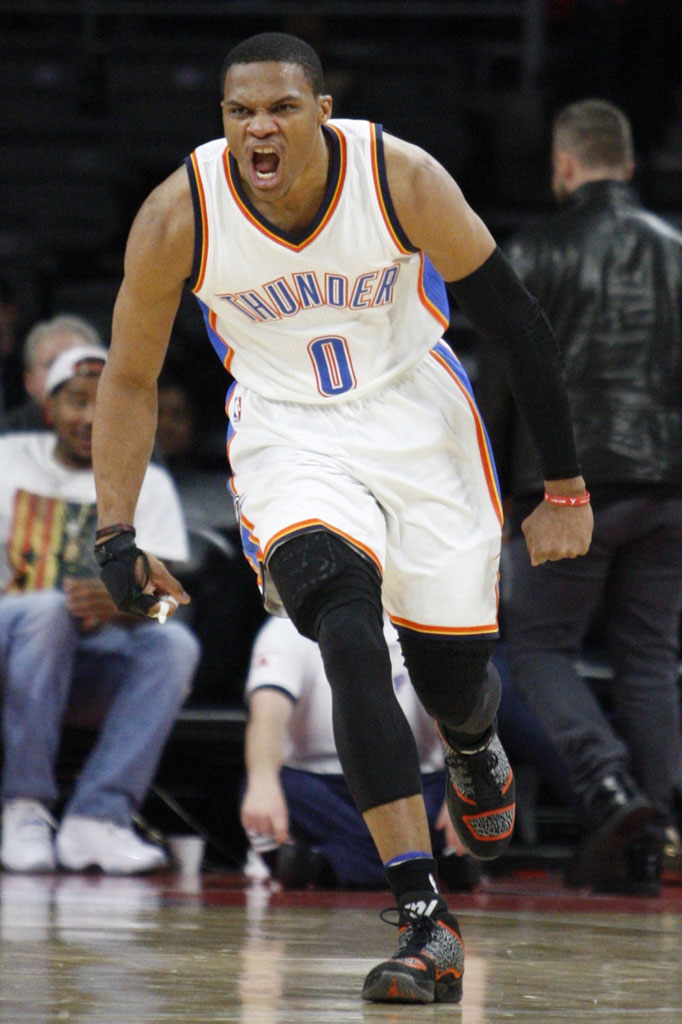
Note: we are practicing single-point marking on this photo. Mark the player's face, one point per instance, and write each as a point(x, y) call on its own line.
point(72, 410)
point(272, 120)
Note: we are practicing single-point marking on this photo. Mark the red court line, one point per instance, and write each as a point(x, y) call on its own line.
point(523, 891)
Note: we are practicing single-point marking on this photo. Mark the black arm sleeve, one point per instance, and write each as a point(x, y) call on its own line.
point(506, 315)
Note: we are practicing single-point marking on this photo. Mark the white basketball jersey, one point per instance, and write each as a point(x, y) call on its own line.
point(331, 313)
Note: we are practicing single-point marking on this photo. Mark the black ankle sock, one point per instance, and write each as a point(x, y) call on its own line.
point(415, 873)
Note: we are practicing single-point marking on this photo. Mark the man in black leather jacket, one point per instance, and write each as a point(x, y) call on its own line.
point(609, 276)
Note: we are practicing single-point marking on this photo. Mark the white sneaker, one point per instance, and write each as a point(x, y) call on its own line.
point(27, 837)
point(91, 842)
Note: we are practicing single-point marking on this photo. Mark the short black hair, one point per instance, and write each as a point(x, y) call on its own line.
point(276, 46)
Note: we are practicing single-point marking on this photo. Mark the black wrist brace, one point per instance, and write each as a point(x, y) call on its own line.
point(117, 558)
point(502, 310)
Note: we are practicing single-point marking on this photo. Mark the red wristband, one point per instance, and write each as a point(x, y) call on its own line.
point(572, 501)
point(113, 530)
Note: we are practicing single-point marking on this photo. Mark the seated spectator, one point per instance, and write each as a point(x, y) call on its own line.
point(42, 345)
point(297, 810)
point(200, 478)
point(176, 424)
point(65, 649)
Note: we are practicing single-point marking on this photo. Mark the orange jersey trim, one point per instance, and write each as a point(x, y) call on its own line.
point(248, 526)
point(385, 204)
point(380, 194)
point(482, 442)
point(308, 524)
point(204, 225)
point(425, 300)
point(420, 627)
point(275, 236)
point(213, 320)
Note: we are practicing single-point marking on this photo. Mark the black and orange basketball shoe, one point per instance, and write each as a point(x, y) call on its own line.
point(428, 965)
point(480, 794)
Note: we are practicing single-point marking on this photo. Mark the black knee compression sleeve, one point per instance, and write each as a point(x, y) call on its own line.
point(332, 594)
point(317, 571)
point(454, 679)
point(374, 741)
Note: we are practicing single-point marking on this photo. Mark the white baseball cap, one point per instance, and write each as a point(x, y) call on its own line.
point(73, 362)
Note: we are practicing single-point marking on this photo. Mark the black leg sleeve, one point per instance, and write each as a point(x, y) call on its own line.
point(454, 680)
point(374, 741)
point(333, 595)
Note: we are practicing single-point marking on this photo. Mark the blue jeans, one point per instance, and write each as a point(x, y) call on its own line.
point(129, 682)
point(323, 814)
point(633, 567)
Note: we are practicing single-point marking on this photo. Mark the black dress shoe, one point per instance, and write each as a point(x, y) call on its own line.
point(617, 816)
point(299, 866)
point(645, 861)
point(459, 873)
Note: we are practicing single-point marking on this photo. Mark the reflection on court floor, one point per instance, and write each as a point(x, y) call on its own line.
point(89, 949)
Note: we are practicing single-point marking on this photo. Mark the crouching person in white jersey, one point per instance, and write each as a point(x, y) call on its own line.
point(362, 475)
point(297, 811)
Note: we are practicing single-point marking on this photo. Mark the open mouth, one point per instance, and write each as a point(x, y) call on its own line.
point(265, 163)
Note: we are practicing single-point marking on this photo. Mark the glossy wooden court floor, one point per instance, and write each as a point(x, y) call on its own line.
point(187, 948)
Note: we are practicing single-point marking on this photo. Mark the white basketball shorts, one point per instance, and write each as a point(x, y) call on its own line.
point(406, 476)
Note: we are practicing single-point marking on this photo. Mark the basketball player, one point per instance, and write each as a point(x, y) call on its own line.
point(362, 475)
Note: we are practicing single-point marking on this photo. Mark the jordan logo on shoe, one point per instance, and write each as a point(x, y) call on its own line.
point(420, 908)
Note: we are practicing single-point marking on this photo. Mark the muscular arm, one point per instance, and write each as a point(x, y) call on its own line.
point(437, 219)
point(264, 809)
point(433, 212)
point(158, 260)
